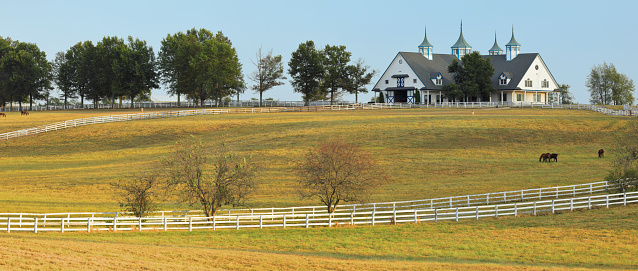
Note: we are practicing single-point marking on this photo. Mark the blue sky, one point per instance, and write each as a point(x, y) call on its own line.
point(571, 36)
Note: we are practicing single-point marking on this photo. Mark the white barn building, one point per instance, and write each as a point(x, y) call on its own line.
point(519, 78)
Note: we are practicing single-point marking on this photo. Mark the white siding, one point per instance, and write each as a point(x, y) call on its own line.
point(537, 76)
point(399, 66)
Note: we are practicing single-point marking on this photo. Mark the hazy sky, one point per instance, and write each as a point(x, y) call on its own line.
point(571, 36)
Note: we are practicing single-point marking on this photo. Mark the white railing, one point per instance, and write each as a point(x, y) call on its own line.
point(314, 220)
point(555, 192)
point(166, 114)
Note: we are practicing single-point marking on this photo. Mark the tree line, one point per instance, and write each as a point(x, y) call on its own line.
point(197, 64)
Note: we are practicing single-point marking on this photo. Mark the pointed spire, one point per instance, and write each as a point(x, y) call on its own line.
point(495, 50)
point(513, 41)
point(425, 42)
point(461, 43)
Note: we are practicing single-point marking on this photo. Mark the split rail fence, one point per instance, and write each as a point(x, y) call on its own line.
point(308, 220)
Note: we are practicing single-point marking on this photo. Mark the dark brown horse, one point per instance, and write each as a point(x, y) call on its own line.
point(544, 157)
point(3, 114)
point(601, 153)
point(24, 113)
point(553, 156)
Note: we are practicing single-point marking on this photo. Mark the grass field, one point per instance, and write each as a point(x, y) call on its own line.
point(426, 153)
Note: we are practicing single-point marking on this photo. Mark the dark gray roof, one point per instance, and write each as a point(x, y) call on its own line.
point(427, 69)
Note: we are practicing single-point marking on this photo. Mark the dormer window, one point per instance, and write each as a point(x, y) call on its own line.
point(438, 80)
point(528, 83)
point(503, 80)
point(545, 84)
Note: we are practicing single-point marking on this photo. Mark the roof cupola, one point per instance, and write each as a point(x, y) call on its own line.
point(496, 50)
point(461, 47)
point(426, 48)
point(512, 48)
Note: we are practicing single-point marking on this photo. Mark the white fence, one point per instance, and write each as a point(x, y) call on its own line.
point(435, 203)
point(313, 220)
point(166, 114)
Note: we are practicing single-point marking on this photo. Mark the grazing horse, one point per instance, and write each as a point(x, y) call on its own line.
point(544, 157)
point(3, 114)
point(601, 153)
point(553, 156)
point(24, 113)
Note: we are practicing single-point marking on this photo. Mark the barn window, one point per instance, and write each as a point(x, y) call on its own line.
point(528, 83)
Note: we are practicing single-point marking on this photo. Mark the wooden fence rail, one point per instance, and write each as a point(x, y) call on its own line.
point(307, 220)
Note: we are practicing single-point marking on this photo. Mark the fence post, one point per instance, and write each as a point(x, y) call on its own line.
point(436, 218)
point(35, 225)
point(306, 221)
point(468, 200)
point(495, 211)
point(571, 204)
point(237, 220)
point(556, 192)
point(574, 191)
point(488, 199)
point(457, 214)
point(505, 197)
point(261, 225)
point(540, 194)
point(8, 224)
point(352, 219)
point(589, 202)
point(534, 208)
point(450, 202)
point(164, 223)
point(607, 201)
point(591, 188)
point(522, 196)
point(372, 218)
point(431, 203)
point(214, 226)
point(552, 206)
point(140, 223)
point(62, 224)
point(624, 199)
point(394, 217)
point(284, 217)
point(115, 223)
point(88, 224)
point(416, 219)
point(477, 213)
point(330, 220)
point(515, 209)
point(190, 223)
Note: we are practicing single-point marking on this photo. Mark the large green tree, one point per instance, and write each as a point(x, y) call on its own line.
point(269, 71)
point(359, 75)
point(5, 48)
point(335, 64)
point(200, 64)
point(26, 72)
point(607, 86)
point(64, 76)
point(472, 76)
point(138, 74)
point(306, 69)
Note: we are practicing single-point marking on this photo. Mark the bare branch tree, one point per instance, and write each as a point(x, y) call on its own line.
point(210, 177)
point(269, 71)
point(139, 194)
point(337, 172)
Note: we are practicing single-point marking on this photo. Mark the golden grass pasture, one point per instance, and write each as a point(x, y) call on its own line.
point(600, 239)
point(426, 153)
